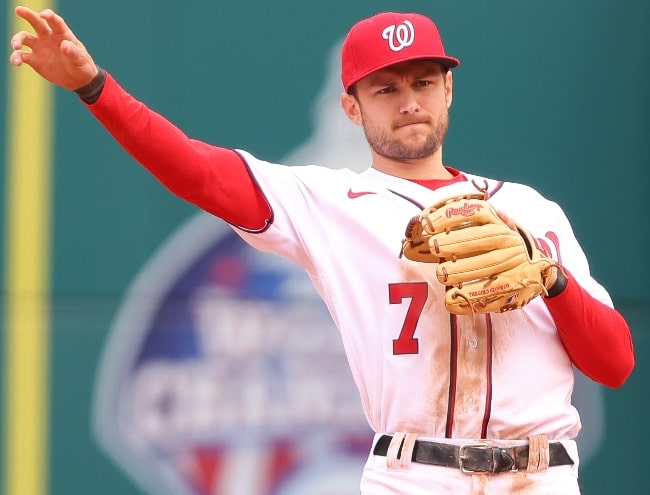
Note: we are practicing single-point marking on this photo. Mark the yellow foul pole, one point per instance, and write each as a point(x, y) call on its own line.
point(27, 272)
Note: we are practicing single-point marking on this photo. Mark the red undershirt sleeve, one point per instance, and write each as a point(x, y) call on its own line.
point(596, 337)
point(213, 178)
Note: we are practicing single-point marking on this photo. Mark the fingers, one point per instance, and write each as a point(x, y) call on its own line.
point(52, 50)
point(23, 38)
point(45, 22)
point(49, 28)
point(35, 20)
point(17, 58)
point(18, 41)
point(55, 22)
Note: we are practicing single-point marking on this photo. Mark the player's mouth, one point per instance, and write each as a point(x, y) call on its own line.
point(409, 122)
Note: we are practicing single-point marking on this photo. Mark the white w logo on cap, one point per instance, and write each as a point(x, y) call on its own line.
point(399, 36)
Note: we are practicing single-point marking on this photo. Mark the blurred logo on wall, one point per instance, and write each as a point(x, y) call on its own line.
point(224, 374)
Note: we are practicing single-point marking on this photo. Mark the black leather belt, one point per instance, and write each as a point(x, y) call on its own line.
point(475, 458)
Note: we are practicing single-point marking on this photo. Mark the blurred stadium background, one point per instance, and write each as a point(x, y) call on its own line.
point(111, 375)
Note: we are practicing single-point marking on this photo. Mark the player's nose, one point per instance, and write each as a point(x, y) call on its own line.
point(408, 102)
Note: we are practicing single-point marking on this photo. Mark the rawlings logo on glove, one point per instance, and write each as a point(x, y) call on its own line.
point(486, 265)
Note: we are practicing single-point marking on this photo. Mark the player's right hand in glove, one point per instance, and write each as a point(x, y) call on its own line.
point(486, 263)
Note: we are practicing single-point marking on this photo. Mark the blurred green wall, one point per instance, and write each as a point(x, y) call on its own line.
point(554, 94)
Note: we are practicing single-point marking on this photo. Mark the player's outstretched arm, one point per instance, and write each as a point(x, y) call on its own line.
point(185, 166)
point(53, 50)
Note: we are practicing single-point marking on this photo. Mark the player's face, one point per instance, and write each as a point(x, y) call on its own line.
point(404, 109)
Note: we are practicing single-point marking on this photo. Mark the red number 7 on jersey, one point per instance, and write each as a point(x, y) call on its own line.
point(418, 293)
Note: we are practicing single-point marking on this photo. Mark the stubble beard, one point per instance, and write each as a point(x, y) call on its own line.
point(397, 149)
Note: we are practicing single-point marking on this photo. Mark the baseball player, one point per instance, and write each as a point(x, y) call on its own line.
point(474, 403)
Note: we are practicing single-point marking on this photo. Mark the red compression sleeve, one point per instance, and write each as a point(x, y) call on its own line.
point(213, 178)
point(596, 337)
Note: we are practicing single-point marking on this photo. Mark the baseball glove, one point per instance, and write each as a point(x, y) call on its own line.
point(485, 265)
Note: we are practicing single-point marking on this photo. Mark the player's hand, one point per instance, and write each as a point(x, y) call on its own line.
point(52, 50)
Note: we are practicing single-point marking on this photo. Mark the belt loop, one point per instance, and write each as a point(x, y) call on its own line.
point(538, 453)
point(394, 448)
point(407, 450)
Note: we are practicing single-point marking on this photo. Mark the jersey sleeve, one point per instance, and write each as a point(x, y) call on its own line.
point(213, 178)
point(302, 219)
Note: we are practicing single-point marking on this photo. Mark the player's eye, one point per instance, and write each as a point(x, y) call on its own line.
point(422, 83)
point(385, 90)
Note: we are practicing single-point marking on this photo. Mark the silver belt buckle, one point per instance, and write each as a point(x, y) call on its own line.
point(462, 456)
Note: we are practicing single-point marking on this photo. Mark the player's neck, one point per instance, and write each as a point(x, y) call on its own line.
point(429, 168)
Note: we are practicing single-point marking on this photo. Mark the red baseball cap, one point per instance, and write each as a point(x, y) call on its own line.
point(386, 39)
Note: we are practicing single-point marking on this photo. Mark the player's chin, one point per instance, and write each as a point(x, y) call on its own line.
point(416, 143)
point(410, 153)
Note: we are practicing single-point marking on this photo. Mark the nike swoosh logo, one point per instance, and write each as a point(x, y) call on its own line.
point(357, 194)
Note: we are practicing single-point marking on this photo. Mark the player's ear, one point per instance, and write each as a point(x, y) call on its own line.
point(449, 88)
point(351, 108)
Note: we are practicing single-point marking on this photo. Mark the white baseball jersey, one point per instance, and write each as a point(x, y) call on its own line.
point(418, 368)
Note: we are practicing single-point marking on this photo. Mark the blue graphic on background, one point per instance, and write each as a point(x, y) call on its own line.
point(222, 265)
point(224, 374)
